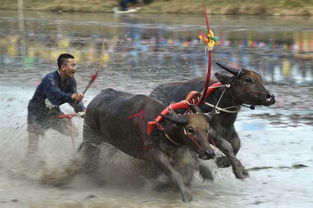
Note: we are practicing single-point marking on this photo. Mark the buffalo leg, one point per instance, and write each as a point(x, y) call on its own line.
point(235, 143)
point(163, 162)
point(186, 163)
point(90, 149)
point(226, 147)
point(91, 154)
point(205, 172)
point(223, 162)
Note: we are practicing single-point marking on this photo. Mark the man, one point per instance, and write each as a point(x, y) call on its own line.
point(55, 89)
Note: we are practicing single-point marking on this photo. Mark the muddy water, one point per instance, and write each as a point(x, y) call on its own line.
point(136, 53)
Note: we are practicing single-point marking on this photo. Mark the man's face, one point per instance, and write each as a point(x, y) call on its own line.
point(69, 68)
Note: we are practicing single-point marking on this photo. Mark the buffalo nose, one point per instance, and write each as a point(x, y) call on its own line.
point(211, 155)
point(270, 99)
point(270, 95)
point(207, 155)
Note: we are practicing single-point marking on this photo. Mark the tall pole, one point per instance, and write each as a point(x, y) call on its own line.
point(20, 11)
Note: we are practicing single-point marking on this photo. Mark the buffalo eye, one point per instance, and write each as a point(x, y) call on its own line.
point(248, 80)
point(190, 130)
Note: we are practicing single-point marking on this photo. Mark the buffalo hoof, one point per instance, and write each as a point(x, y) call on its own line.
point(97, 179)
point(240, 171)
point(241, 174)
point(222, 162)
point(163, 187)
point(100, 182)
point(186, 196)
point(205, 173)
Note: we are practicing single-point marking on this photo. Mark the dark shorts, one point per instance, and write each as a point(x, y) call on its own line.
point(41, 120)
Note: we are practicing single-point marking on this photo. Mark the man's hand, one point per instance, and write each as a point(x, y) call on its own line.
point(77, 96)
point(82, 114)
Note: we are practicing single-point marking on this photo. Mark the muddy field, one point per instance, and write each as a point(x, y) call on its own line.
point(276, 148)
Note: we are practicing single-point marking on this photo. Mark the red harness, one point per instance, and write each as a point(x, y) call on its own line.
point(192, 98)
point(212, 88)
point(180, 105)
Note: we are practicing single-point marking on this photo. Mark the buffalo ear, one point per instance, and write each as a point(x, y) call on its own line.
point(178, 120)
point(195, 109)
point(209, 116)
point(224, 79)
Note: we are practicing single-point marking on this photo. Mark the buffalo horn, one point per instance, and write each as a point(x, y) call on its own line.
point(173, 113)
point(229, 69)
point(178, 120)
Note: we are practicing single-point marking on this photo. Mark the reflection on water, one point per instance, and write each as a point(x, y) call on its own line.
point(135, 45)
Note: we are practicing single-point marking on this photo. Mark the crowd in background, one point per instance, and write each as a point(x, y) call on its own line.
point(279, 58)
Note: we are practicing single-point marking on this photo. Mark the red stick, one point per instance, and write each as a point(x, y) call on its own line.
point(93, 78)
point(208, 76)
point(206, 18)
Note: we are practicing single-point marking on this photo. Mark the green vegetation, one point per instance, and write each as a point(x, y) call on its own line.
point(242, 7)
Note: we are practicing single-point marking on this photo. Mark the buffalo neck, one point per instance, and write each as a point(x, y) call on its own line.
point(225, 101)
point(223, 98)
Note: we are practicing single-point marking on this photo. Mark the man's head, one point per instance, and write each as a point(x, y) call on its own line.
point(67, 65)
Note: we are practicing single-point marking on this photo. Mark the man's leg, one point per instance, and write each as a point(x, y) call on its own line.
point(35, 129)
point(33, 143)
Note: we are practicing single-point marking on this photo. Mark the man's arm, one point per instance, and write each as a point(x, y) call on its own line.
point(54, 93)
point(78, 106)
point(76, 103)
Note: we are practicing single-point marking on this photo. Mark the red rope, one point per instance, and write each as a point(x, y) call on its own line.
point(71, 132)
point(195, 142)
point(69, 117)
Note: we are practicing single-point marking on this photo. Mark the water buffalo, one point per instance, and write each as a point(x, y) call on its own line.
point(243, 87)
point(120, 119)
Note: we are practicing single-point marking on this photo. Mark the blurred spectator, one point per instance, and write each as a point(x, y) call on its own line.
point(124, 4)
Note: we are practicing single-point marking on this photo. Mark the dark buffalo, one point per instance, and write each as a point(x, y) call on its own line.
point(243, 87)
point(120, 118)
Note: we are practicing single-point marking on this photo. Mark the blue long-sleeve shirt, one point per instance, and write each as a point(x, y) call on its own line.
point(50, 88)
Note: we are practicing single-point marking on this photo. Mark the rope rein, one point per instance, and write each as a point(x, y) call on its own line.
point(225, 110)
point(193, 140)
point(162, 129)
point(219, 109)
